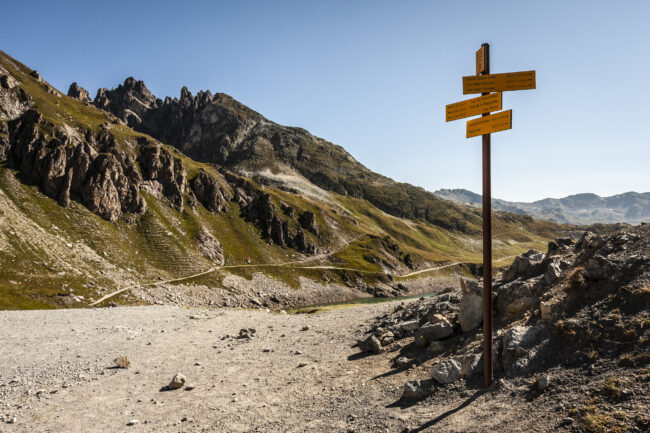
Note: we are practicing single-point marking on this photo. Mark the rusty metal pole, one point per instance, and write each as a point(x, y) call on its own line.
point(487, 248)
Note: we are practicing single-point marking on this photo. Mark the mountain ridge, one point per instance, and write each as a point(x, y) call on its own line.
point(584, 208)
point(218, 129)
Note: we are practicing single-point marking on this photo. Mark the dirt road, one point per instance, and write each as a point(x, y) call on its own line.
point(298, 373)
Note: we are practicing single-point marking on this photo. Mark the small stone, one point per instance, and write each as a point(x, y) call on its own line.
point(298, 352)
point(177, 381)
point(302, 364)
point(133, 422)
point(306, 328)
point(122, 362)
point(567, 421)
point(543, 382)
point(402, 361)
point(190, 387)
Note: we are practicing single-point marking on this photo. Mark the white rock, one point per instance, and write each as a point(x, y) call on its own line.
point(470, 314)
point(409, 326)
point(446, 371)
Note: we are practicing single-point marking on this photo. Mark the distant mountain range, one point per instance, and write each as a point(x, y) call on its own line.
point(629, 207)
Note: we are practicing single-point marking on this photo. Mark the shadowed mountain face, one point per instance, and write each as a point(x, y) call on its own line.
point(629, 207)
point(217, 129)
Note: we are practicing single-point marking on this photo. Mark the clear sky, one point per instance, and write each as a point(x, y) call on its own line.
point(375, 76)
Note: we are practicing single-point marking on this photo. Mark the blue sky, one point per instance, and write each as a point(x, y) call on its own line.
point(375, 76)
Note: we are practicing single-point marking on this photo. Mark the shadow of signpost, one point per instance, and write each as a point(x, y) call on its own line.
point(444, 415)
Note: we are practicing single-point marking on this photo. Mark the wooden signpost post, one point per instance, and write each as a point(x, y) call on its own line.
point(483, 82)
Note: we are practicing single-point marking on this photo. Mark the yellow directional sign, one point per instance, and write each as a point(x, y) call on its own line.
point(474, 106)
point(487, 124)
point(480, 61)
point(499, 82)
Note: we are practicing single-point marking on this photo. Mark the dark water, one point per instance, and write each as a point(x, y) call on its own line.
point(371, 300)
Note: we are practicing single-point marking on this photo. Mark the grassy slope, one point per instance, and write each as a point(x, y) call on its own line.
point(161, 243)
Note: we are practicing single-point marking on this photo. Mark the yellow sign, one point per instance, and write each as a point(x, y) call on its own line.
point(472, 107)
point(499, 82)
point(480, 60)
point(492, 123)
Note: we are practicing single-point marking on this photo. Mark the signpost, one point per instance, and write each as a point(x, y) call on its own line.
point(472, 107)
point(481, 64)
point(499, 82)
point(485, 83)
point(489, 123)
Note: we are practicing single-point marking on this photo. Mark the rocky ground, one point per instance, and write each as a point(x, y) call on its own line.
point(295, 373)
point(571, 354)
point(572, 336)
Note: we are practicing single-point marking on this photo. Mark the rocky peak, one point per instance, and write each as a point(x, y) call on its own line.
point(129, 101)
point(78, 92)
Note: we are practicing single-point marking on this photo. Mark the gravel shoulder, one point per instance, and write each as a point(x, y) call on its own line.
point(55, 375)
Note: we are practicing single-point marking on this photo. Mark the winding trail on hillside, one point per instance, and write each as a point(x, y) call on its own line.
point(265, 265)
point(279, 265)
point(124, 289)
point(251, 265)
point(427, 270)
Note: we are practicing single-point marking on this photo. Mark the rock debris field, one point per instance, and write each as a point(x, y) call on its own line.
point(287, 373)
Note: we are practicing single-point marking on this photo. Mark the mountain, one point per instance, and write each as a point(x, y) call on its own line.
point(629, 207)
point(202, 201)
point(219, 130)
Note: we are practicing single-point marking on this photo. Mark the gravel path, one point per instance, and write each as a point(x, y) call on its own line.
point(297, 373)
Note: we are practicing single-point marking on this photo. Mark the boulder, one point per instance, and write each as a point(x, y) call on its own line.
point(429, 333)
point(470, 315)
point(447, 371)
point(519, 347)
point(527, 265)
point(415, 390)
point(518, 297)
point(410, 326)
point(177, 382)
point(552, 273)
point(470, 364)
point(371, 344)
